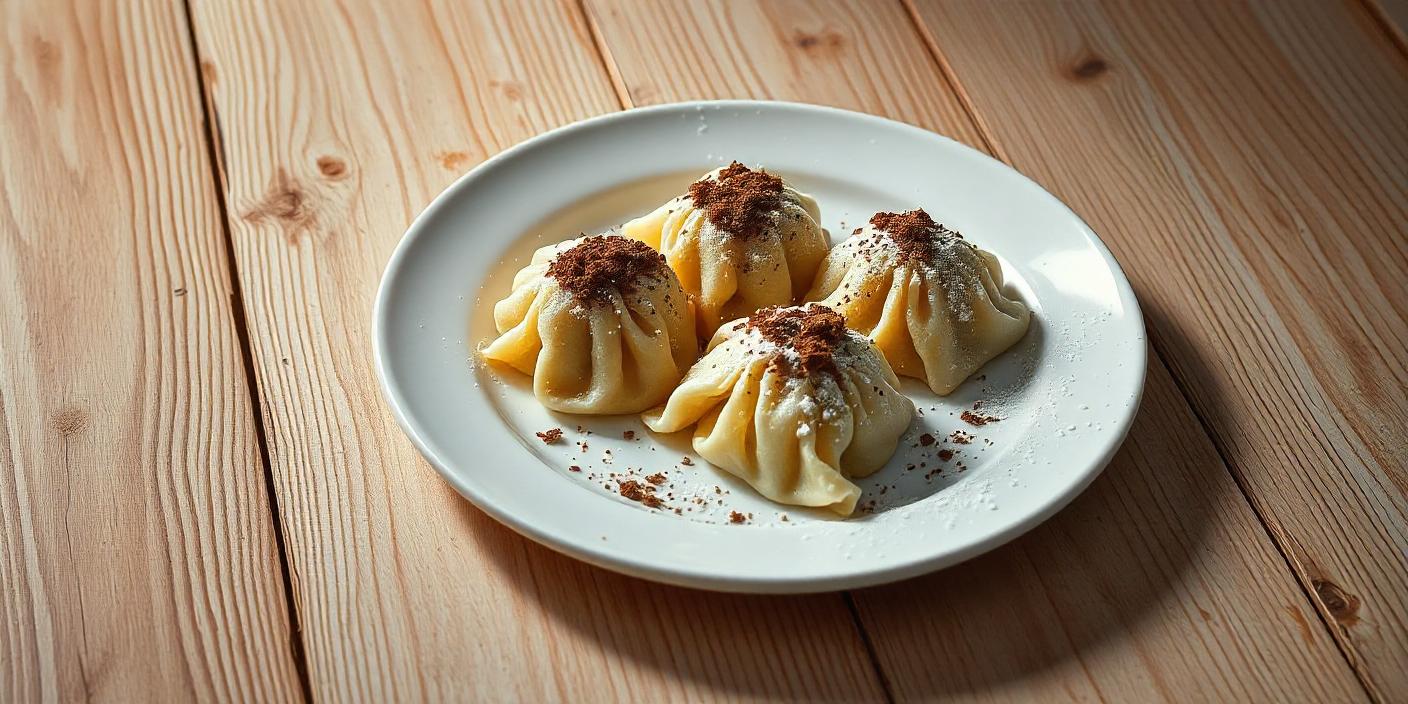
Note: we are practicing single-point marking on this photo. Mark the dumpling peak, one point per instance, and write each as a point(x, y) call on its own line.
point(914, 233)
point(738, 200)
point(598, 266)
point(813, 333)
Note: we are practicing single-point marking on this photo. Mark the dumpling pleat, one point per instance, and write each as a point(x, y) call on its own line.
point(879, 413)
point(939, 325)
point(731, 277)
point(620, 355)
point(730, 435)
point(776, 433)
point(520, 343)
point(753, 436)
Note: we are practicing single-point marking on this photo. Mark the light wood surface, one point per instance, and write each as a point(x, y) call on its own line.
point(404, 591)
point(1246, 162)
point(1153, 504)
point(137, 552)
point(1260, 213)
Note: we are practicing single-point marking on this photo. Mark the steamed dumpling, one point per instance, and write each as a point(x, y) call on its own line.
point(792, 402)
point(601, 324)
point(739, 240)
point(930, 300)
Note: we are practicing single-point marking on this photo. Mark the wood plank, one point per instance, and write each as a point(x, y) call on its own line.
point(1104, 601)
point(809, 52)
point(137, 551)
point(341, 120)
point(1260, 207)
point(1394, 15)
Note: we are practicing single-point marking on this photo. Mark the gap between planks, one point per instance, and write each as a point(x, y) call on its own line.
point(215, 145)
point(623, 95)
point(946, 69)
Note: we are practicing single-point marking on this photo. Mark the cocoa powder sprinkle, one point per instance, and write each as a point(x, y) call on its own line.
point(914, 232)
point(738, 200)
point(635, 491)
point(599, 266)
point(972, 418)
point(550, 436)
point(813, 332)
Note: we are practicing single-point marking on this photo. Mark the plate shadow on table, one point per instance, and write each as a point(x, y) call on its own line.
point(1102, 575)
point(1088, 578)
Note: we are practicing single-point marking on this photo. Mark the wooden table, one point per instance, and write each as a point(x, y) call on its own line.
point(202, 494)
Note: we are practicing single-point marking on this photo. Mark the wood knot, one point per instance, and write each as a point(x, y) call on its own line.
point(332, 167)
point(1340, 603)
point(68, 420)
point(824, 42)
point(287, 205)
point(511, 89)
point(453, 160)
point(46, 54)
point(1089, 69)
point(48, 60)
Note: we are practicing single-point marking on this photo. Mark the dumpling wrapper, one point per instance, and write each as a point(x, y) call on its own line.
point(622, 354)
point(795, 440)
point(939, 321)
point(731, 276)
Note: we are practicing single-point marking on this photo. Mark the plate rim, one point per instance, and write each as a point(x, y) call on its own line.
point(609, 559)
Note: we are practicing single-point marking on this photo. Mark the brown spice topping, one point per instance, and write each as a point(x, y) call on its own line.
point(972, 418)
point(629, 435)
point(945, 455)
point(687, 462)
point(599, 266)
point(926, 439)
point(635, 491)
point(913, 232)
point(813, 332)
point(550, 436)
point(960, 437)
point(574, 468)
point(739, 201)
point(657, 478)
point(736, 517)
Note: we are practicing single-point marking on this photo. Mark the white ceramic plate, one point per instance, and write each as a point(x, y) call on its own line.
point(1066, 394)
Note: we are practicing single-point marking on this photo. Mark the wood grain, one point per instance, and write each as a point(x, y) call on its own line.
point(1260, 210)
point(137, 558)
point(340, 121)
point(806, 51)
point(1394, 15)
point(1104, 601)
